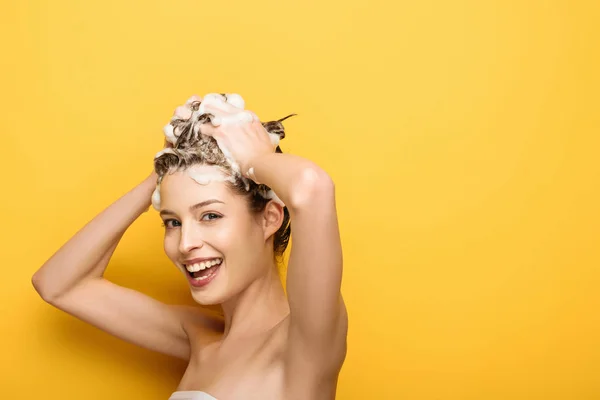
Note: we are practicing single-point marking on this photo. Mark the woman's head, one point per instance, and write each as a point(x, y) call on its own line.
point(217, 222)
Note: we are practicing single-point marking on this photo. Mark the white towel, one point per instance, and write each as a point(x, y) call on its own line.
point(191, 395)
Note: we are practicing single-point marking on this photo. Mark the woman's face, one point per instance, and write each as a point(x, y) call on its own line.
point(210, 231)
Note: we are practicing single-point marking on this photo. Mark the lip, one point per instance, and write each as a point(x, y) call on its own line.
point(206, 281)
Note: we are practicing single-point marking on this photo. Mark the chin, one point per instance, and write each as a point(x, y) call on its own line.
point(211, 291)
point(206, 300)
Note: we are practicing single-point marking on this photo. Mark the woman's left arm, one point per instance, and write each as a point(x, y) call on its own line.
point(318, 319)
point(317, 313)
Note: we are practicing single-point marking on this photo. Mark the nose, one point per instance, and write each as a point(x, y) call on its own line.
point(190, 239)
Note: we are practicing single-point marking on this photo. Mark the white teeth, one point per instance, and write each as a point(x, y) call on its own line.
point(193, 267)
point(202, 265)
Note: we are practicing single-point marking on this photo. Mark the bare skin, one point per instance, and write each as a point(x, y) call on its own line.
point(268, 345)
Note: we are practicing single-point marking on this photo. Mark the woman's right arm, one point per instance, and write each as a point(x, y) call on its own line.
point(72, 280)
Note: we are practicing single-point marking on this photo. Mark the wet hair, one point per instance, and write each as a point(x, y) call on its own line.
point(193, 148)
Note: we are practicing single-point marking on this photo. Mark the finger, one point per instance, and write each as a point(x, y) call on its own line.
point(229, 118)
point(219, 107)
point(214, 109)
point(193, 99)
point(235, 100)
point(216, 102)
point(248, 116)
point(258, 126)
point(254, 116)
point(183, 112)
point(239, 118)
point(209, 130)
point(216, 120)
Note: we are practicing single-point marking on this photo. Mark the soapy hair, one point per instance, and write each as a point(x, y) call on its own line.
point(193, 148)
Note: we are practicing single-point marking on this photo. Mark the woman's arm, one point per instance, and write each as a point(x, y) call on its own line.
point(318, 319)
point(72, 280)
point(87, 253)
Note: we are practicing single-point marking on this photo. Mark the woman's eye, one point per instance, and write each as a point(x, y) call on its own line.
point(210, 217)
point(171, 223)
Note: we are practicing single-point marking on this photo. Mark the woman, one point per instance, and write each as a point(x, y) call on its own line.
point(224, 228)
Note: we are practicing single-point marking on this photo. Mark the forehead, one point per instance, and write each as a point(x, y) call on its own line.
point(195, 184)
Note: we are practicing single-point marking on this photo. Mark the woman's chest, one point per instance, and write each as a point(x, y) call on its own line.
point(251, 368)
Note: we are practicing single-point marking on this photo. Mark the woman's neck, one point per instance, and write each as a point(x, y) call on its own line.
point(257, 309)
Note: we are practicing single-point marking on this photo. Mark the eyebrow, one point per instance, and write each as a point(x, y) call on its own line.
point(194, 207)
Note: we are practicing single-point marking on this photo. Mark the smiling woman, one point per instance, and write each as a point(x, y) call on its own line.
point(224, 231)
point(206, 221)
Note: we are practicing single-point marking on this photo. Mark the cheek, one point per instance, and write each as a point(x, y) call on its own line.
point(226, 238)
point(171, 245)
point(237, 236)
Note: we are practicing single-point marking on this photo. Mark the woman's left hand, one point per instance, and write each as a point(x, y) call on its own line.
point(239, 133)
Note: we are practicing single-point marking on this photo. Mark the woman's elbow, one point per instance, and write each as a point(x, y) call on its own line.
point(41, 287)
point(38, 286)
point(313, 186)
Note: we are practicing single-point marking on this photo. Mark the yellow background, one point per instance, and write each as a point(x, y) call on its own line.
point(462, 135)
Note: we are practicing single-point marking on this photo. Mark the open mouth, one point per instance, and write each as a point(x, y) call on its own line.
point(203, 270)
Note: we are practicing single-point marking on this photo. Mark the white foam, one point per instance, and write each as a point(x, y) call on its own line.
point(223, 116)
point(156, 198)
point(170, 133)
point(246, 182)
point(250, 174)
point(196, 128)
point(204, 175)
point(221, 108)
point(164, 151)
point(235, 100)
point(274, 138)
point(228, 110)
point(212, 99)
point(272, 196)
point(193, 99)
point(232, 119)
point(234, 165)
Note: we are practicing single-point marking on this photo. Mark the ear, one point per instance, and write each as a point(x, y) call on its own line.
point(272, 218)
